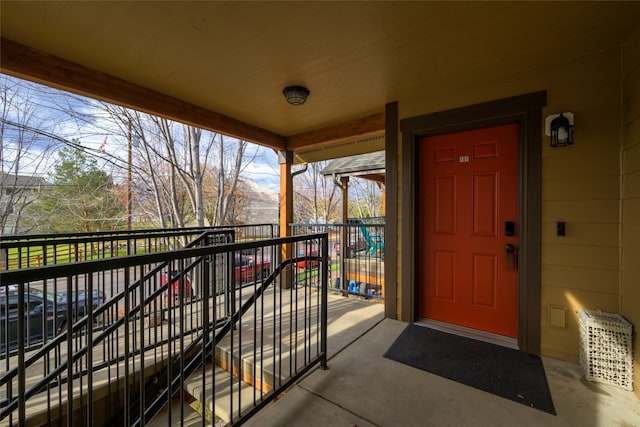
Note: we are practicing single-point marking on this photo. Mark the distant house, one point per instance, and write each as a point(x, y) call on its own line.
point(16, 193)
point(252, 203)
point(260, 204)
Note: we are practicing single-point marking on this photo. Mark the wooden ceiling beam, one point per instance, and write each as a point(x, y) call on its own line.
point(366, 126)
point(24, 62)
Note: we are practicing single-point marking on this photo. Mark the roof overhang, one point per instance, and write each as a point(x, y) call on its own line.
point(369, 166)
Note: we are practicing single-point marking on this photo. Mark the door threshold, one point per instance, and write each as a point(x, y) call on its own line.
point(475, 334)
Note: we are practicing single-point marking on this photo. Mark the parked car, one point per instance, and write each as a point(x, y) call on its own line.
point(80, 300)
point(45, 313)
point(309, 263)
point(178, 285)
point(247, 269)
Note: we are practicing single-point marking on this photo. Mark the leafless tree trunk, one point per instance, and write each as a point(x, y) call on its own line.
point(175, 171)
point(193, 144)
point(328, 193)
point(227, 181)
point(150, 171)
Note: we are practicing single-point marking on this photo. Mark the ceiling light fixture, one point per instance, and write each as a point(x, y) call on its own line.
point(296, 95)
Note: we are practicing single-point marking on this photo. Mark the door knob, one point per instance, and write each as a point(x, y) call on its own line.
point(512, 256)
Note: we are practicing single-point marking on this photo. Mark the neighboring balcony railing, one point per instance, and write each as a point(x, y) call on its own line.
point(46, 249)
point(116, 340)
point(356, 251)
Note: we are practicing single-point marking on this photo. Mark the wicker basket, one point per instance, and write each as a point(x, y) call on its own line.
point(605, 348)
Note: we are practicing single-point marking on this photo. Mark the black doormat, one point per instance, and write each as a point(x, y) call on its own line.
point(502, 371)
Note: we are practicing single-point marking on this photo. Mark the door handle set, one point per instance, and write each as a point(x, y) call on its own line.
point(510, 249)
point(512, 256)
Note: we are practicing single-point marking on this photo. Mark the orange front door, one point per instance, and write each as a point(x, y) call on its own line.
point(467, 242)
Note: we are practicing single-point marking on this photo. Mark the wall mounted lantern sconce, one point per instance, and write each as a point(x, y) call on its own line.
point(559, 129)
point(296, 95)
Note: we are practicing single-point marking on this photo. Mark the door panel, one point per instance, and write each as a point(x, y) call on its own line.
point(485, 205)
point(445, 267)
point(445, 210)
point(484, 280)
point(467, 190)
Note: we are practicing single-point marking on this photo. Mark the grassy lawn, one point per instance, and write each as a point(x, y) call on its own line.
point(64, 254)
point(301, 275)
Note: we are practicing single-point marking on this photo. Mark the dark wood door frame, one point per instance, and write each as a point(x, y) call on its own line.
point(526, 111)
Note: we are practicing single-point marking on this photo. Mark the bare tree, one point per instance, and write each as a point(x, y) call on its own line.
point(179, 164)
point(131, 131)
point(166, 166)
point(150, 173)
point(368, 198)
point(229, 168)
point(165, 171)
point(318, 200)
point(24, 153)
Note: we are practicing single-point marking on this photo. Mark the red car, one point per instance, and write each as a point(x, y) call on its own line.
point(248, 269)
point(178, 286)
point(310, 263)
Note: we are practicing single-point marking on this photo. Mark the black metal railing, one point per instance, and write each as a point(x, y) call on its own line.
point(356, 251)
point(37, 250)
point(148, 324)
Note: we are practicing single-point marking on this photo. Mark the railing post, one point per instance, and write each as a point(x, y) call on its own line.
point(325, 300)
point(22, 325)
point(90, 321)
point(69, 338)
point(197, 282)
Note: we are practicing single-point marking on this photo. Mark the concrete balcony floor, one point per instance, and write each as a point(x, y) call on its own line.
point(362, 388)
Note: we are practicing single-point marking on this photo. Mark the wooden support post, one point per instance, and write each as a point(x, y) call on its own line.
point(383, 188)
point(344, 239)
point(285, 158)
